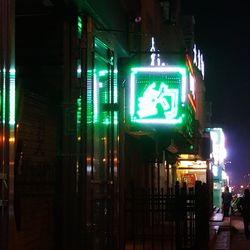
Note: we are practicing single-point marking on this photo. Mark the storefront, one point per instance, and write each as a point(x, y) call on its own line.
point(190, 170)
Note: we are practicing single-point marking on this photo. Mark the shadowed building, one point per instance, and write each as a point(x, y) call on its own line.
point(80, 148)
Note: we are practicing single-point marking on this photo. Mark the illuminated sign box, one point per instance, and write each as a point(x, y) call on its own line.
point(157, 95)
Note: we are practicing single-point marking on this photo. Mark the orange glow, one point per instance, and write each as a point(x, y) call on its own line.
point(192, 102)
point(11, 139)
point(190, 67)
point(189, 64)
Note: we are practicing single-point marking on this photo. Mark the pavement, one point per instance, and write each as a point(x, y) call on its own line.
point(220, 232)
point(238, 240)
point(227, 233)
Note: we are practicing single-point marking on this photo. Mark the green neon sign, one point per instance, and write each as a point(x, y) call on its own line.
point(157, 95)
point(12, 96)
point(12, 77)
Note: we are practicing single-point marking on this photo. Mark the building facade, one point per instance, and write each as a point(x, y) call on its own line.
point(79, 150)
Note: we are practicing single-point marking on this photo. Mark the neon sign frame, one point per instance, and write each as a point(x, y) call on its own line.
point(161, 89)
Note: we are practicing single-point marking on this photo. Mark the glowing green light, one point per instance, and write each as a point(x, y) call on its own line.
point(89, 96)
point(157, 94)
point(102, 95)
point(12, 96)
point(115, 117)
point(79, 110)
point(79, 69)
point(154, 96)
point(102, 72)
point(79, 25)
point(105, 72)
point(180, 70)
point(4, 95)
point(12, 77)
point(96, 99)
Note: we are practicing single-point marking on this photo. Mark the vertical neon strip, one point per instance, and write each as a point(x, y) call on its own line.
point(12, 97)
point(115, 86)
point(89, 96)
point(12, 75)
point(115, 95)
point(79, 26)
point(79, 110)
point(4, 95)
point(132, 94)
point(95, 101)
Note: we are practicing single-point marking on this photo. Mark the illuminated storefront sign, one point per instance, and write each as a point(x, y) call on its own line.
point(218, 146)
point(157, 94)
point(190, 179)
point(155, 58)
point(198, 60)
point(190, 170)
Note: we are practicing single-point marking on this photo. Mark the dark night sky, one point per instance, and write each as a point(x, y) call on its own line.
point(222, 32)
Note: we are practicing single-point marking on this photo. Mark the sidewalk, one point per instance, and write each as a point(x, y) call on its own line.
point(227, 233)
point(238, 240)
point(220, 232)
